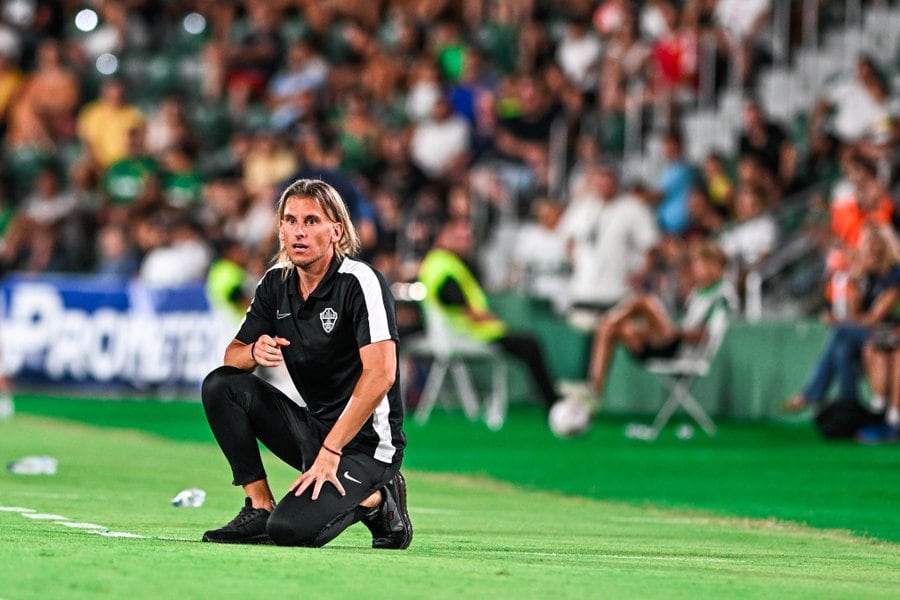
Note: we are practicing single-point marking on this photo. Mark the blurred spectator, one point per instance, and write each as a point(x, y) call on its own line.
point(675, 182)
point(743, 21)
point(864, 200)
point(643, 324)
point(43, 113)
point(127, 181)
point(719, 184)
point(35, 239)
point(180, 180)
point(267, 163)
point(540, 264)
point(105, 123)
point(453, 288)
point(180, 255)
point(607, 234)
point(578, 54)
point(754, 234)
point(305, 72)
point(769, 143)
point(10, 82)
point(874, 296)
point(243, 67)
point(704, 218)
point(167, 126)
point(116, 257)
point(444, 130)
point(862, 107)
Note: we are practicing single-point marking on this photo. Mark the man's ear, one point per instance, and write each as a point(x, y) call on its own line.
point(338, 232)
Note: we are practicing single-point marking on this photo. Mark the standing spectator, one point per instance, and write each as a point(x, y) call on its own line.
point(105, 123)
point(608, 235)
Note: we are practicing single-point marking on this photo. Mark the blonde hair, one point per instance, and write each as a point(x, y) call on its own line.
point(331, 204)
point(884, 235)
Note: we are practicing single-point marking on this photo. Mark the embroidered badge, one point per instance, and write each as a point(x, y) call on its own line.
point(328, 317)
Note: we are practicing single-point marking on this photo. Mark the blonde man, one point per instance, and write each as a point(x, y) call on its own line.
point(330, 319)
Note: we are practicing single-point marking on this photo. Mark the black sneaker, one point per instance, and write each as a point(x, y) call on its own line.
point(389, 521)
point(248, 527)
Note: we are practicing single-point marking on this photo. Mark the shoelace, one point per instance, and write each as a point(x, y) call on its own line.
point(246, 514)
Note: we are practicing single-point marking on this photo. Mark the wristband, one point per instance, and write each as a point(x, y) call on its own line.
point(335, 452)
point(252, 350)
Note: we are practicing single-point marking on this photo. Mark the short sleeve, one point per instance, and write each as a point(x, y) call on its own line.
point(371, 305)
point(260, 315)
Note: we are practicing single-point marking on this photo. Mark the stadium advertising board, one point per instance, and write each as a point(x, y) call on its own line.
point(88, 330)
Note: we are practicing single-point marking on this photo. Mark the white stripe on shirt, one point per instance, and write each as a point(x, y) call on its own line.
point(382, 426)
point(371, 289)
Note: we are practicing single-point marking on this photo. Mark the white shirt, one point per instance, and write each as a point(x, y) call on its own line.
point(751, 240)
point(610, 241)
point(540, 253)
point(857, 114)
point(176, 264)
point(738, 16)
point(435, 144)
point(578, 57)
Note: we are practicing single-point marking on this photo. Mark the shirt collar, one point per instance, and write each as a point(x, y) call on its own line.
point(324, 286)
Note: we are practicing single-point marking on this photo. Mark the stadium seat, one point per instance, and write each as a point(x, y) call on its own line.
point(450, 351)
point(680, 372)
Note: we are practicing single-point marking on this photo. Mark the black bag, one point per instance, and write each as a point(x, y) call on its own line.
point(842, 419)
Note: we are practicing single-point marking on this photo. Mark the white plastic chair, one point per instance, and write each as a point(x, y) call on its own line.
point(449, 350)
point(680, 372)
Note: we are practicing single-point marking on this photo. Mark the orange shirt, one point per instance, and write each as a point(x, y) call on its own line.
point(848, 218)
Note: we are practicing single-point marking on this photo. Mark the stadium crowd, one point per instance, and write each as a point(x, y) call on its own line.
point(150, 138)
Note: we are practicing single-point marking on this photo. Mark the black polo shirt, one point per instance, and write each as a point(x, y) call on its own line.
point(350, 308)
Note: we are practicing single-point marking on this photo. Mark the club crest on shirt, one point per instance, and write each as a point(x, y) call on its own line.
point(328, 317)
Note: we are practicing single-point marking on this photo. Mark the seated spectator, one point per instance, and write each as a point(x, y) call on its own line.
point(578, 54)
point(864, 200)
point(243, 67)
point(10, 84)
point(305, 71)
point(873, 298)
point(860, 106)
point(540, 264)
point(883, 365)
point(770, 144)
point(34, 239)
point(447, 131)
point(753, 235)
point(643, 325)
point(105, 123)
point(452, 286)
point(126, 181)
point(167, 126)
point(43, 113)
point(180, 256)
point(180, 181)
point(608, 234)
point(719, 184)
point(675, 182)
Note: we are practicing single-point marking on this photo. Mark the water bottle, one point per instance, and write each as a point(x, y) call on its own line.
point(33, 465)
point(191, 497)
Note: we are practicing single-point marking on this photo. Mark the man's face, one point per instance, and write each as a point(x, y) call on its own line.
point(307, 233)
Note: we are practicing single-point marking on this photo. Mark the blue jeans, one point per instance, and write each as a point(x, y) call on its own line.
point(840, 360)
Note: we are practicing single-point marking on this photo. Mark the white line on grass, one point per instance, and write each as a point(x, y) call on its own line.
point(16, 509)
point(46, 516)
point(77, 525)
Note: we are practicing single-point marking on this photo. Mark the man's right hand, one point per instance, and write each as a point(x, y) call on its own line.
point(266, 351)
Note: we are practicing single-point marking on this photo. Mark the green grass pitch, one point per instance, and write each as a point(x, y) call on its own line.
point(514, 514)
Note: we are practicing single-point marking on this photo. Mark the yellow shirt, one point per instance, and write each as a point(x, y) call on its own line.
point(105, 129)
point(9, 84)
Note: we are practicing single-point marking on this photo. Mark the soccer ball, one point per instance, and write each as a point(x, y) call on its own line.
point(569, 417)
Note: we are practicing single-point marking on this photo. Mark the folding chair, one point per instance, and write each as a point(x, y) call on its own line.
point(451, 351)
point(680, 372)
